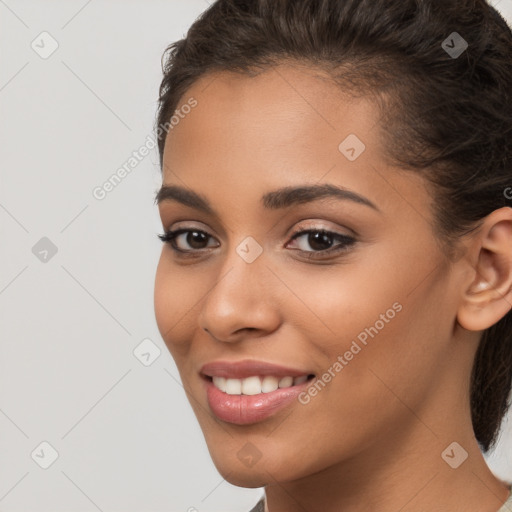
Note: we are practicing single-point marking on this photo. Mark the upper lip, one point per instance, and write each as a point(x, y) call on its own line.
point(248, 368)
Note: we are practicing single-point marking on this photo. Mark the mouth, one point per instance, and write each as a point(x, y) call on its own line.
point(253, 399)
point(250, 391)
point(256, 384)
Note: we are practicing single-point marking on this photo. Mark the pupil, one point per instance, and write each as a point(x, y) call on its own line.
point(319, 241)
point(195, 239)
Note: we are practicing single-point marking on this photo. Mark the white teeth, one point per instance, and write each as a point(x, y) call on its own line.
point(220, 382)
point(286, 382)
point(233, 386)
point(269, 384)
point(256, 385)
point(251, 386)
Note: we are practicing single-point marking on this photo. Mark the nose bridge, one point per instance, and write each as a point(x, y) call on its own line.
point(243, 268)
point(239, 298)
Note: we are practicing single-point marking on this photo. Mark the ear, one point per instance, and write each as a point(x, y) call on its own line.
point(488, 297)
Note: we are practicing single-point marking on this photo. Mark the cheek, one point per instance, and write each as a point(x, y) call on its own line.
point(163, 299)
point(382, 318)
point(391, 374)
point(336, 304)
point(176, 297)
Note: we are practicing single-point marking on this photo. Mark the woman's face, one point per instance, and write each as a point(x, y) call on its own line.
point(369, 308)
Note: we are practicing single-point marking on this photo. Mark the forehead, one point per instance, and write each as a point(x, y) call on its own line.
point(289, 124)
point(287, 109)
point(283, 91)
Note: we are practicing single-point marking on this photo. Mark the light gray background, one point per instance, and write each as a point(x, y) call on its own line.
point(125, 434)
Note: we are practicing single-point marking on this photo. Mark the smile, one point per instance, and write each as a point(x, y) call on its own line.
point(256, 385)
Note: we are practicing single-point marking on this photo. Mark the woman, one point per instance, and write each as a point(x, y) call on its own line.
point(336, 280)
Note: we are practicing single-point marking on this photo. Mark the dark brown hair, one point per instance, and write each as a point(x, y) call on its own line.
point(446, 115)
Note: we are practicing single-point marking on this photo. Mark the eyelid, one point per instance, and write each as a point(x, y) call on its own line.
point(187, 224)
point(297, 229)
point(320, 225)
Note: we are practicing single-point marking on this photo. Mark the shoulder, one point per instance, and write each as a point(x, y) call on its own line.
point(260, 506)
point(507, 506)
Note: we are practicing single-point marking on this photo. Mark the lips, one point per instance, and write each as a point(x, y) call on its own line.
point(233, 406)
point(249, 368)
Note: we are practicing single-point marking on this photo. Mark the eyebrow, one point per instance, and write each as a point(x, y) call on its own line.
point(275, 200)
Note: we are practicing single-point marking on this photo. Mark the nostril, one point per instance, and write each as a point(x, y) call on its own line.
point(247, 329)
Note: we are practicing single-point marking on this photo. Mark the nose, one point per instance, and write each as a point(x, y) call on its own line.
point(242, 302)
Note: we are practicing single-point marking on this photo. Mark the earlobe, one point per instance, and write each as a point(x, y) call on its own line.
point(488, 297)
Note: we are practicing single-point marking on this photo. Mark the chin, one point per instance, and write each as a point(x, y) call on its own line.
point(234, 471)
point(247, 479)
point(258, 474)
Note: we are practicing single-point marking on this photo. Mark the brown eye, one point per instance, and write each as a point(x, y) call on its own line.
point(320, 242)
point(187, 240)
point(196, 239)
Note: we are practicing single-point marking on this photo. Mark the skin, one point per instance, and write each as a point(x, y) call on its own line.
point(372, 439)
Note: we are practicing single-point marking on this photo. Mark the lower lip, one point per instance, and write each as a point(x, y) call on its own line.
point(247, 409)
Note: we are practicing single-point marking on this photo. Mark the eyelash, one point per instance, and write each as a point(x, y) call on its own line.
point(346, 242)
